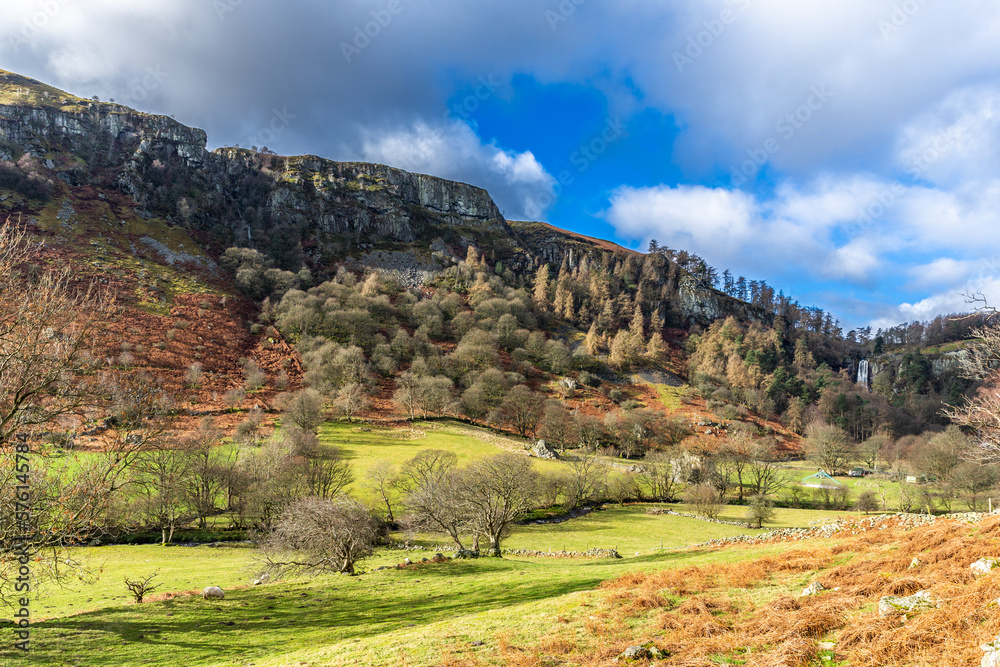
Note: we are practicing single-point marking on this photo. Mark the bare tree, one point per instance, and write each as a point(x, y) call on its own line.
point(315, 535)
point(586, 480)
point(205, 480)
point(431, 481)
point(981, 414)
point(406, 393)
point(763, 475)
point(162, 476)
point(830, 447)
point(495, 492)
point(434, 394)
point(383, 478)
point(140, 588)
point(325, 471)
point(522, 408)
point(706, 499)
point(47, 329)
point(659, 470)
point(303, 408)
point(351, 399)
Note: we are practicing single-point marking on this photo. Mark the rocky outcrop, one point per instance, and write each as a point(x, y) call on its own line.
point(702, 305)
point(373, 202)
point(316, 212)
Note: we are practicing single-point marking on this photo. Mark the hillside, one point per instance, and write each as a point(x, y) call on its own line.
point(135, 203)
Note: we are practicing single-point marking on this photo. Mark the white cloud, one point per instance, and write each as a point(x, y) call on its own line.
point(517, 181)
point(955, 142)
point(690, 217)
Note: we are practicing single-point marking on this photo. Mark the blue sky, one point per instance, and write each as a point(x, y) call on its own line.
point(846, 151)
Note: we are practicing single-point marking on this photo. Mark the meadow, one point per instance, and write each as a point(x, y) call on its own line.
point(417, 615)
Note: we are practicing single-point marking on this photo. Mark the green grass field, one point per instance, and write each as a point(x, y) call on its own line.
point(364, 445)
point(377, 618)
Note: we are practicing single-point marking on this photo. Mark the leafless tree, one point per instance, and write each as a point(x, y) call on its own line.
point(326, 472)
point(981, 413)
point(351, 399)
point(162, 476)
point(706, 499)
point(431, 481)
point(585, 482)
point(763, 475)
point(315, 535)
point(830, 447)
point(303, 408)
point(496, 491)
point(140, 588)
point(383, 478)
point(522, 408)
point(406, 393)
point(663, 480)
point(47, 329)
point(205, 481)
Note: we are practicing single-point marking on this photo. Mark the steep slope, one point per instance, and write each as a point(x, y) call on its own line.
point(137, 204)
point(302, 211)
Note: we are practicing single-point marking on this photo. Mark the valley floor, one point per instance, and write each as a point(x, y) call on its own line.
point(706, 606)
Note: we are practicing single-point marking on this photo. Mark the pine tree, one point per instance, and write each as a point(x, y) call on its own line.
point(656, 349)
point(625, 349)
point(370, 286)
point(594, 341)
point(638, 326)
point(541, 293)
point(472, 257)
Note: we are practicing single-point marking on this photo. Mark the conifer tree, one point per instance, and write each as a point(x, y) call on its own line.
point(656, 349)
point(593, 341)
point(638, 325)
point(541, 292)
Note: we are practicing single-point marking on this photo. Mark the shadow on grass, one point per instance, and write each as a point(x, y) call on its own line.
point(271, 620)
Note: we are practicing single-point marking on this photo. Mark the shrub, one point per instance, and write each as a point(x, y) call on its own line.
point(706, 500)
point(194, 375)
point(867, 502)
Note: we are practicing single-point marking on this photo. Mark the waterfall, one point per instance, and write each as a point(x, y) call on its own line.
point(863, 378)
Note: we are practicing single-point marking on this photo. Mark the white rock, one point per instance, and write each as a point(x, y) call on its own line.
point(892, 605)
point(812, 589)
point(984, 566)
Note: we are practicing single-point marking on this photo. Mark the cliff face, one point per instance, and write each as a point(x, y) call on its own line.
point(373, 202)
point(307, 210)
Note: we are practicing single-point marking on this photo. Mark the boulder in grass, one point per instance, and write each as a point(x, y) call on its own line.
point(812, 589)
point(543, 451)
point(984, 566)
point(892, 605)
point(647, 651)
point(992, 657)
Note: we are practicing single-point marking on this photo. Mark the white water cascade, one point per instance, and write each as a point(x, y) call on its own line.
point(863, 373)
